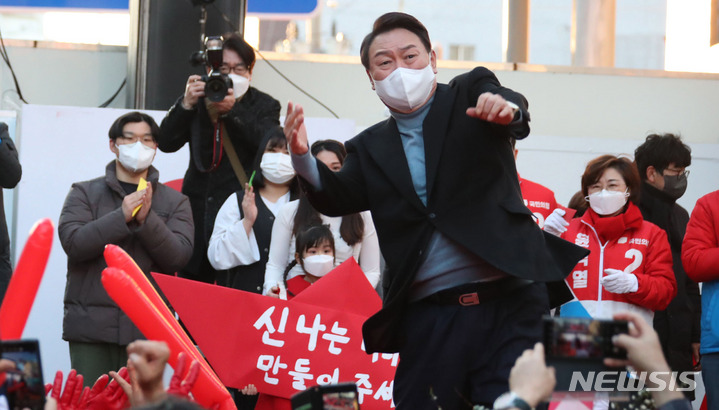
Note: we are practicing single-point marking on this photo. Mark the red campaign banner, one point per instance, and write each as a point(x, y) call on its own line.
point(283, 347)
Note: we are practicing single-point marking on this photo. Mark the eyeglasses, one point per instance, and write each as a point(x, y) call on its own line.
point(239, 69)
point(678, 173)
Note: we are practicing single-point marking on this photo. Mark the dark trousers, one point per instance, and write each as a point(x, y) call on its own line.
point(459, 356)
point(710, 376)
point(92, 360)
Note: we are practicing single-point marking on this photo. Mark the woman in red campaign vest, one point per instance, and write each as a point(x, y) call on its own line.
point(629, 267)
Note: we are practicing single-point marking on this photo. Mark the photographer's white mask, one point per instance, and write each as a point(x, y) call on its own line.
point(277, 167)
point(240, 84)
point(135, 157)
point(406, 89)
point(607, 202)
point(318, 265)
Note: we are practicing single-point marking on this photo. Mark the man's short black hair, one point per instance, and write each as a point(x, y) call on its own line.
point(660, 150)
point(388, 22)
point(237, 44)
point(135, 116)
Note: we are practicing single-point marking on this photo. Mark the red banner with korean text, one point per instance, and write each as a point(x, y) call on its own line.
point(283, 347)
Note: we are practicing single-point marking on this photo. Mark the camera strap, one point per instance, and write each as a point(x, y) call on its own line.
point(232, 155)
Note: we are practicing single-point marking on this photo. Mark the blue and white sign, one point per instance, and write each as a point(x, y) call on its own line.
point(254, 7)
point(70, 4)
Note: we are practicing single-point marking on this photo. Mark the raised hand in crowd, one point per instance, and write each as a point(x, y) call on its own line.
point(145, 364)
point(249, 390)
point(530, 378)
point(644, 354)
point(73, 396)
point(295, 130)
point(249, 209)
point(103, 395)
point(184, 377)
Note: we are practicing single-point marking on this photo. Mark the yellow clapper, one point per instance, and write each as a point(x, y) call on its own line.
point(142, 185)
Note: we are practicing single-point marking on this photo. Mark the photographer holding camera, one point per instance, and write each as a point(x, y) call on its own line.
point(224, 128)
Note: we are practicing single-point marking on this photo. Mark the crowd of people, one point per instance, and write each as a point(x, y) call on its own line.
point(474, 255)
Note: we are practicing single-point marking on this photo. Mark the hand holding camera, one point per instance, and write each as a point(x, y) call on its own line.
point(194, 89)
point(215, 86)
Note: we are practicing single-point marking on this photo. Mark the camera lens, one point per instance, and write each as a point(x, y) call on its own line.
point(216, 88)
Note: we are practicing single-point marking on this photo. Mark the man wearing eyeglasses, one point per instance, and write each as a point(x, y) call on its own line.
point(223, 137)
point(662, 161)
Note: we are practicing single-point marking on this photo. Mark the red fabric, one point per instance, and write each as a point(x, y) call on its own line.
point(296, 285)
point(612, 227)
point(700, 249)
point(274, 343)
point(175, 184)
point(642, 249)
point(538, 198)
point(269, 402)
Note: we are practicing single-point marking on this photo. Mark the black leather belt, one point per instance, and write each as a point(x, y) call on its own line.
point(475, 293)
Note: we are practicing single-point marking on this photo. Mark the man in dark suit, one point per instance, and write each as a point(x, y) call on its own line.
point(10, 173)
point(465, 261)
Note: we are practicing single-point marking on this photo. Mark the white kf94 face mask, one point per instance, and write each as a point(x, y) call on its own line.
point(318, 265)
point(240, 85)
point(135, 157)
point(406, 89)
point(277, 167)
point(607, 202)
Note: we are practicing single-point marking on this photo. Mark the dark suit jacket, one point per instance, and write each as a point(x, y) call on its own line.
point(473, 198)
point(10, 173)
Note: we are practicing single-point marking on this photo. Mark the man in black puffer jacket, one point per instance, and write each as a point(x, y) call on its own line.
point(662, 161)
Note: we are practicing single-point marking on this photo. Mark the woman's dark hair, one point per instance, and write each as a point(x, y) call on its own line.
point(332, 146)
point(626, 168)
point(578, 203)
point(352, 226)
point(237, 44)
point(312, 236)
point(134, 116)
point(274, 138)
point(388, 22)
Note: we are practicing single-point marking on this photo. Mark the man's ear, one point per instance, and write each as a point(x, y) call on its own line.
point(433, 60)
point(371, 80)
point(113, 147)
point(651, 174)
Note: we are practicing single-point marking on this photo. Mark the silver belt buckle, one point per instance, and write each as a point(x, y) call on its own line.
point(469, 299)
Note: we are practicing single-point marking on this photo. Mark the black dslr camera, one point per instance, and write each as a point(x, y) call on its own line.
point(216, 83)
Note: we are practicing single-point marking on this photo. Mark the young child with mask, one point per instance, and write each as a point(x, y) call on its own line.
point(354, 234)
point(315, 253)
